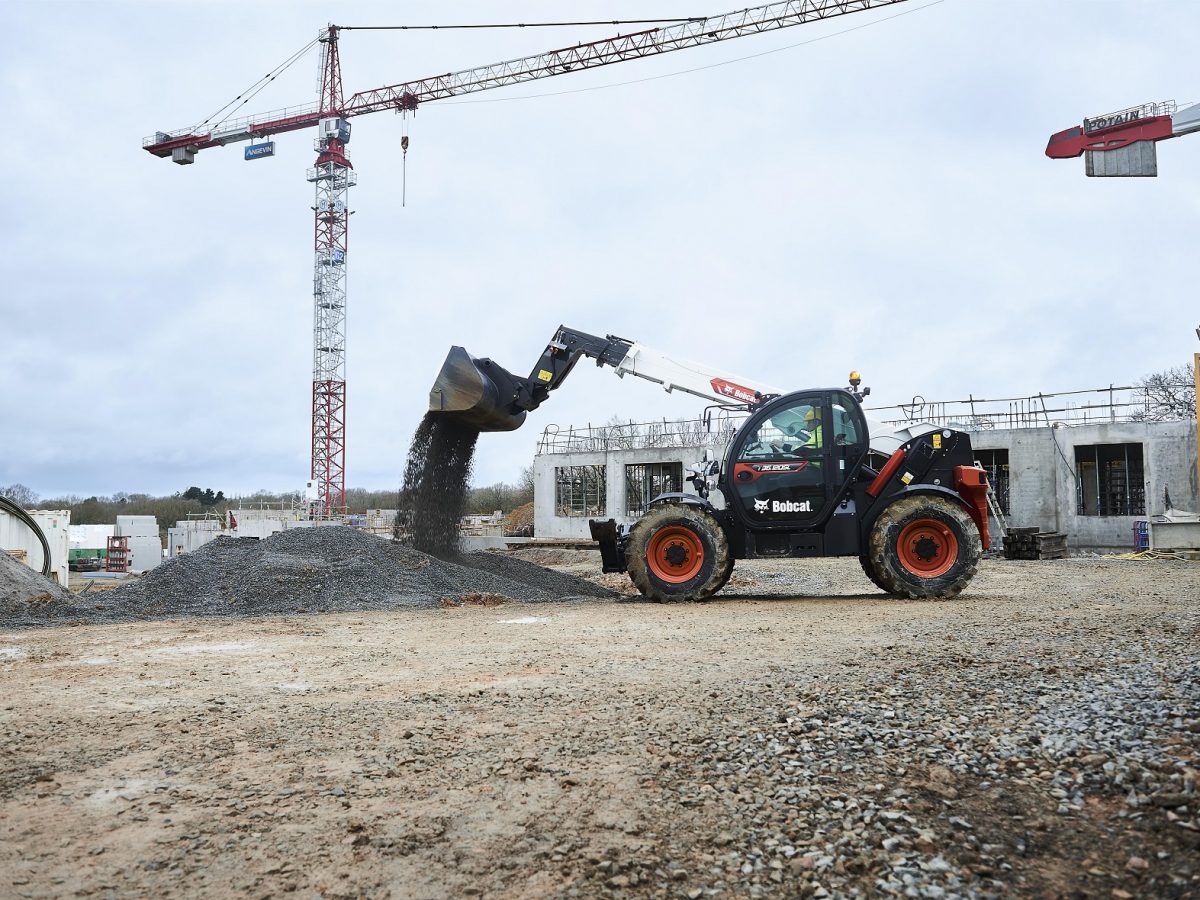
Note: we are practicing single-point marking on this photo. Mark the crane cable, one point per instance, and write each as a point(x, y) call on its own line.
point(254, 89)
point(518, 24)
point(9, 507)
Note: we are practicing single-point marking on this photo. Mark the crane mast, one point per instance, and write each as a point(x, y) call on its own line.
point(332, 176)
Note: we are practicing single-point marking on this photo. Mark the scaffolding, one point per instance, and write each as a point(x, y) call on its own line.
point(1094, 406)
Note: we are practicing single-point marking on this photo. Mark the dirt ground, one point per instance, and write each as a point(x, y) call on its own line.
point(1037, 736)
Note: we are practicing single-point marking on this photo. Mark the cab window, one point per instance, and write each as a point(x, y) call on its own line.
point(795, 432)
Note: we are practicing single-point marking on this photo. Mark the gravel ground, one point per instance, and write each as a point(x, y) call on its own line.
point(802, 736)
point(305, 570)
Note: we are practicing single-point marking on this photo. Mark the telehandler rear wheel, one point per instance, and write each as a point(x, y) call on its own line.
point(924, 546)
point(678, 552)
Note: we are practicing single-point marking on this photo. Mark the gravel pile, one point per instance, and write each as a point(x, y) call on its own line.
point(26, 592)
point(899, 788)
point(305, 570)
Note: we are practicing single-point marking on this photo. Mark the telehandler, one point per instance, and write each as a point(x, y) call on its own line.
point(794, 482)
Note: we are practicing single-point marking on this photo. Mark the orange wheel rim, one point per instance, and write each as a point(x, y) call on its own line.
point(675, 554)
point(927, 548)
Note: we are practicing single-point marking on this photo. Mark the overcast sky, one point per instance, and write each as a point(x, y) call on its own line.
point(877, 199)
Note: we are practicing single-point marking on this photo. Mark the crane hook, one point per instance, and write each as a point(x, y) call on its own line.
point(404, 171)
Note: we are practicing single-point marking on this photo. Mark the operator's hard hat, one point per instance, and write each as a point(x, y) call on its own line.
point(813, 413)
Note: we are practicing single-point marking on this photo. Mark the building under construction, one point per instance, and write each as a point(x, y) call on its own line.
point(1090, 464)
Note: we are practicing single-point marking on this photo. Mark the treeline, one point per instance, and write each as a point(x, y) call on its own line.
point(501, 496)
point(196, 502)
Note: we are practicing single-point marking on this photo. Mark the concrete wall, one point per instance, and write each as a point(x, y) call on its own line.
point(145, 546)
point(1042, 486)
point(548, 525)
point(1042, 481)
point(189, 535)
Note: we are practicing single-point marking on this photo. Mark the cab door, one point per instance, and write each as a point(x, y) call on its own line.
point(791, 461)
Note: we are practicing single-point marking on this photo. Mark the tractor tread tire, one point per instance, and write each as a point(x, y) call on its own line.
point(894, 577)
point(876, 577)
point(718, 563)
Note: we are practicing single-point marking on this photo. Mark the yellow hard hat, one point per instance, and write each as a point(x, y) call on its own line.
point(813, 413)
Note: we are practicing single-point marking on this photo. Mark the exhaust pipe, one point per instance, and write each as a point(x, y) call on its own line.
point(476, 392)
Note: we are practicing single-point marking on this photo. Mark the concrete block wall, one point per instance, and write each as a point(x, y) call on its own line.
point(548, 525)
point(1042, 479)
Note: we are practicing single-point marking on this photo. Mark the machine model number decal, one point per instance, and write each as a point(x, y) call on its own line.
point(779, 467)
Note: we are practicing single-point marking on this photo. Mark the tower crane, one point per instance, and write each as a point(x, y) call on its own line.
point(1123, 144)
point(332, 175)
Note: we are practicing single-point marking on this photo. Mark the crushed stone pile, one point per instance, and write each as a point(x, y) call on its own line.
point(306, 570)
point(24, 591)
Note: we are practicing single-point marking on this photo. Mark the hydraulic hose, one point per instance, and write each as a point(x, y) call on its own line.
point(9, 507)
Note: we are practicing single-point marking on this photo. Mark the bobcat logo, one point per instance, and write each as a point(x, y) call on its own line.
point(761, 505)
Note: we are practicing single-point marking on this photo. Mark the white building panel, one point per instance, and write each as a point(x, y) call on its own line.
point(55, 524)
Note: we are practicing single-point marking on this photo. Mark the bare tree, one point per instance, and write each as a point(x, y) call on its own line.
point(20, 495)
point(1167, 396)
point(525, 486)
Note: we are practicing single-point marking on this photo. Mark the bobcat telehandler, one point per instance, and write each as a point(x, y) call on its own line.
point(794, 482)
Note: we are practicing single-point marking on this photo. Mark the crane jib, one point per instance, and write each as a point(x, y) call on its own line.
point(593, 54)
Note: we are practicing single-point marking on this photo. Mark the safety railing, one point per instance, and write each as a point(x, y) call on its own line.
point(1127, 403)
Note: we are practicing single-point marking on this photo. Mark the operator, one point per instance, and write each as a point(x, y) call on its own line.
point(816, 439)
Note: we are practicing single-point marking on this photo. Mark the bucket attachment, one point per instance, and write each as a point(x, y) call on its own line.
point(476, 392)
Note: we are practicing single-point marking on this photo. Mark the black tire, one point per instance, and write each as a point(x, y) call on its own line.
point(924, 547)
point(678, 552)
point(871, 572)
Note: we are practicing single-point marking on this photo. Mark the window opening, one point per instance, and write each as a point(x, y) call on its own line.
point(580, 490)
point(645, 481)
point(995, 463)
point(1110, 480)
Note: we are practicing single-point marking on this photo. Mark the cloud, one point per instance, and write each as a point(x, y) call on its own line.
point(878, 200)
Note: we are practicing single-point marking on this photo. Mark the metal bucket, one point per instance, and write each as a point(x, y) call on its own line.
point(477, 392)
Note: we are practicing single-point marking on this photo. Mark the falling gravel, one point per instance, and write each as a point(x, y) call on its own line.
point(304, 570)
point(437, 477)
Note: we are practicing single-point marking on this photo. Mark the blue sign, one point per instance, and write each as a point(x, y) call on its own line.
point(258, 151)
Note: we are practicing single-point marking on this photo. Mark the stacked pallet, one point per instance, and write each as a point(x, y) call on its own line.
point(1033, 543)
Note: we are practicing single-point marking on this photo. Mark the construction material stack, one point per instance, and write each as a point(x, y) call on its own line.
point(1033, 543)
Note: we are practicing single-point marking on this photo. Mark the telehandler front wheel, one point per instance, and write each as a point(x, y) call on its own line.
point(871, 572)
point(678, 552)
point(924, 546)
